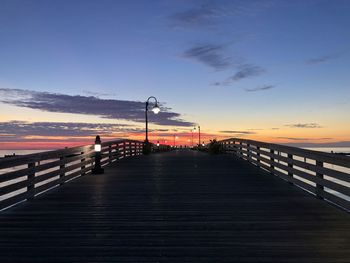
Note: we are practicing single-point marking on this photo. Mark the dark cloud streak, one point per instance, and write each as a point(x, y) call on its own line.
point(264, 88)
point(105, 108)
point(16, 129)
point(196, 16)
point(321, 59)
point(209, 55)
point(247, 71)
point(305, 125)
point(238, 132)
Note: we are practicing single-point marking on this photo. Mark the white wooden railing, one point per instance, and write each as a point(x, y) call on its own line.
point(325, 175)
point(24, 177)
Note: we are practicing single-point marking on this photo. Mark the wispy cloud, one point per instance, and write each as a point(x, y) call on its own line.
point(244, 71)
point(212, 12)
point(319, 144)
point(97, 94)
point(321, 59)
point(238, 132)
point(264, 88)
point(303, 139)
point(197, 16)
point(209, 55)
point(105, 108)
point(21, 130)
point(305, 125)
point(247, 71)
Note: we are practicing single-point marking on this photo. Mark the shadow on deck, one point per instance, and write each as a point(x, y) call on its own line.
point(176, 207)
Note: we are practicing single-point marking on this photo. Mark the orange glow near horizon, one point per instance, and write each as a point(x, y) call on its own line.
point(34, 142)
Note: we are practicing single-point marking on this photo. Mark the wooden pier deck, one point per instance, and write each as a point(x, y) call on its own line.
point(179, 206)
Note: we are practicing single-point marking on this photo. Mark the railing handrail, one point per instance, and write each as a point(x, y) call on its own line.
point(335, 159)
point(40, 156)
point(315, 174)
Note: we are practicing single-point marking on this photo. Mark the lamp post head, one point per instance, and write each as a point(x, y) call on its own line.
point(156, 109)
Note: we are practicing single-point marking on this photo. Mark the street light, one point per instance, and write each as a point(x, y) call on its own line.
point(199, 134)
point(155, 110)
point(175, 137)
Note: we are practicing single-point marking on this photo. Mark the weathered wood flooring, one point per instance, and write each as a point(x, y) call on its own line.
point(176, 207)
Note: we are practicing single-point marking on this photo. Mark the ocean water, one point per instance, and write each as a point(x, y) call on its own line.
point(19, 152)
point(330, 149)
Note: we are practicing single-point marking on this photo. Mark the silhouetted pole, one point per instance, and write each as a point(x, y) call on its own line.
point(192, 138)
point(199, 136)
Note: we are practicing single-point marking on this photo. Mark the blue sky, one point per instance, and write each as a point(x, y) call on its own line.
point(292, 58)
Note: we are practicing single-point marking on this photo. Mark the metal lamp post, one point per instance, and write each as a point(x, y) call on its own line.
point(147, 147)
point(155, 110)
point(191, 138)
point(199, 136)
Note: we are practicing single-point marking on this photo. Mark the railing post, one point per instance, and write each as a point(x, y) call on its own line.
point(124, 150)
point(240, 150)
point(258, 155)
point(30, 179)
point(110, 154)
point(272, 160)
point(83, 166)
point(319, 187)
point(290, 165)
point(62, 166)
point(248, 152)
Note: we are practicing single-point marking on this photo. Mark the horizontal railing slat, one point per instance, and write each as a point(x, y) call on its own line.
point(13, 187)
point(15, 174)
